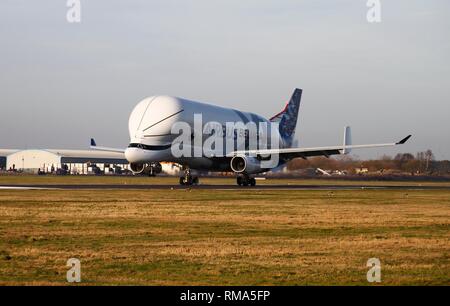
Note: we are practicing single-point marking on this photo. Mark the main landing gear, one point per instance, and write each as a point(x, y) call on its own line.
point(188, 179)
point(245, 180)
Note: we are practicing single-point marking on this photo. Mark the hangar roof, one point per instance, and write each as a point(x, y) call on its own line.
point(83, 156)
point(77, 156)
point(6, 152)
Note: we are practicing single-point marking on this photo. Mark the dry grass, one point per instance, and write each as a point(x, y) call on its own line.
point(203, 237)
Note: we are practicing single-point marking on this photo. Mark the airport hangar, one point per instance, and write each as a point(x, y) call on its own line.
point(69, 161)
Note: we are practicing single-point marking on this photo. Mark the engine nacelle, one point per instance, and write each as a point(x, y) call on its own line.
point(245, 164)
point(147, 169)
point(137, 168)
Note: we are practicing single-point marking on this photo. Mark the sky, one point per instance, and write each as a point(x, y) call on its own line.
point(62, 83)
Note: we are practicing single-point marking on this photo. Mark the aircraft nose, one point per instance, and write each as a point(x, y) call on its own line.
point(134, 155)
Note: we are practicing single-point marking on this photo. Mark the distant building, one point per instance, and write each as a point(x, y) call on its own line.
point(361, 170)
point(3, 154)
point(65, 161)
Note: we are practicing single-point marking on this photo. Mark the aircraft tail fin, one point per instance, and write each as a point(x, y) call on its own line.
point(287, 118)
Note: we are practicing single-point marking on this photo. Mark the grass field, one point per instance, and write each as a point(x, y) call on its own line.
point(219, 237)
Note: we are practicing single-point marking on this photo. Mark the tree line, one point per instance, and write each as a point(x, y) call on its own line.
point(420, 163)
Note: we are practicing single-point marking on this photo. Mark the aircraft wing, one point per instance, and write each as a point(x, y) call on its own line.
point(318, 151)
point(107, 149)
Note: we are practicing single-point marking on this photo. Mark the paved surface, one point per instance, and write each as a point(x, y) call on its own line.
point(20, 187)
point(229, 187)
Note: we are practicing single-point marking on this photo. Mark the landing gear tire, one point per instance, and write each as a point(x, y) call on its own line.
point(151, 172)
point(188, 179)
point(245, 181)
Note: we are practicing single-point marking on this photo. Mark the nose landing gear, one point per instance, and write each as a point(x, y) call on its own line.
point(245, 180)
point(188, 179)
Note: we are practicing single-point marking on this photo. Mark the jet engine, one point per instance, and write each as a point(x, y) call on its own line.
point(246, 164)
point(137, 168)
point(146, 169)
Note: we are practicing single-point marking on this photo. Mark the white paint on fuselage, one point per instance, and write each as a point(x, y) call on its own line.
point(151, 121)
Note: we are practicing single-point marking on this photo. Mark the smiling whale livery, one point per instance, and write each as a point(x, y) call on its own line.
point(195, 135)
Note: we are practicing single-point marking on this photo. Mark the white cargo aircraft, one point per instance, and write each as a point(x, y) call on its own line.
point(153, 138)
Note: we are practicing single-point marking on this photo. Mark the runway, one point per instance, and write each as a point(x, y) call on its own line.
point(21, 188)
point(223, 187)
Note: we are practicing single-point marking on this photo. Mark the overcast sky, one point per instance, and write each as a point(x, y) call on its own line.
point(62, 83)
